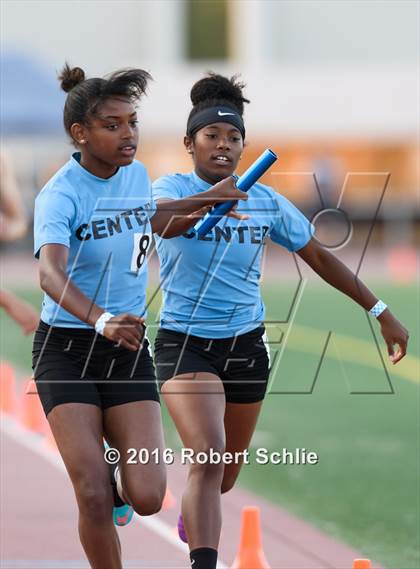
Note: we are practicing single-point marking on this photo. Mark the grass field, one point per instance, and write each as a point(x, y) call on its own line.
point(364, 428)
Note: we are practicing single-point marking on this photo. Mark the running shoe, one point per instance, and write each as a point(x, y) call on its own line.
point(181, 530)
point(122, 513)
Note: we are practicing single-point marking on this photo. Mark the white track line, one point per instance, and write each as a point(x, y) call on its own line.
point(77, 564)
point(36, 444)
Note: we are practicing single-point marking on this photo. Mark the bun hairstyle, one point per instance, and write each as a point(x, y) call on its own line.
point(216, 90)
point(70, 77)
point(213, 97)
point(85, 95)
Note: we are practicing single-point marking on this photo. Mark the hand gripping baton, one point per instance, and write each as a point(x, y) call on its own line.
point(244, 182)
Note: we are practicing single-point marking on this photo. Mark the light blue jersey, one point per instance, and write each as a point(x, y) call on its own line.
point(211, 285)
point(106, 226)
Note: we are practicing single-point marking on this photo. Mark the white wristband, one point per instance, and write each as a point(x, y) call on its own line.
point(101, 322)
point(378, 309)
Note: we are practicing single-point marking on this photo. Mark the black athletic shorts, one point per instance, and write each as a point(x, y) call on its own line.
point(76, 365)
point(241, 362)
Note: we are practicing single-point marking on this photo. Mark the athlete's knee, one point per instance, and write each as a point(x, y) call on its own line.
point(94, 498)
point(204, 460)
point(228, 482)
point(146, 498)
point(146, 503)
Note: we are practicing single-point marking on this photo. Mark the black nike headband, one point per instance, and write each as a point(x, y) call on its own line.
point(212, 115)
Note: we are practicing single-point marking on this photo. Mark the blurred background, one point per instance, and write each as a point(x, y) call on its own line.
point(334, 90)
point(333, 85)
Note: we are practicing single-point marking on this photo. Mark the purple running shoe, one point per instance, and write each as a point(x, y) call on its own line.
point(181, 530)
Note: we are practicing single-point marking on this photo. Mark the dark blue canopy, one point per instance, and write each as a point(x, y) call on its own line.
point(31, 101)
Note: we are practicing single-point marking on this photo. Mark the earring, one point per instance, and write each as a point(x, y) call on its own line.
point(83, 141)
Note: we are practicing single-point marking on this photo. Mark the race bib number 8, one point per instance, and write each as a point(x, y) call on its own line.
point(141, 245)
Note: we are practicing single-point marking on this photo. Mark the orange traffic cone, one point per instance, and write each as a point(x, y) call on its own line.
point(169, 501)
point(8, 401)
point(362, 564)
point(31, 387)
point(31, 414)
point(250, 554)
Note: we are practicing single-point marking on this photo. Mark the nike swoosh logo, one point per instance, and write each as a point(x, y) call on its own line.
point(122, 520)
point(224, 114)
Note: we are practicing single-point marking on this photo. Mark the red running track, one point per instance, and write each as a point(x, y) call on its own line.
point(39, 520)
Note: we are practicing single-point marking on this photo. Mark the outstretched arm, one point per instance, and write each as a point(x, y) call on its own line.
point(335, 273)
point(175, 217)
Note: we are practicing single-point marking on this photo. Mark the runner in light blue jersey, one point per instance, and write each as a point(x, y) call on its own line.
point(105, 224)
point(219, 294)
point(210, 354)
point(92, 365)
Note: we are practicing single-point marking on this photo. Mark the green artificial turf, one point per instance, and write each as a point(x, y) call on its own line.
point(363, 426)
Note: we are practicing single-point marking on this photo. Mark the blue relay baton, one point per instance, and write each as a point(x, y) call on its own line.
point(244, 182)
